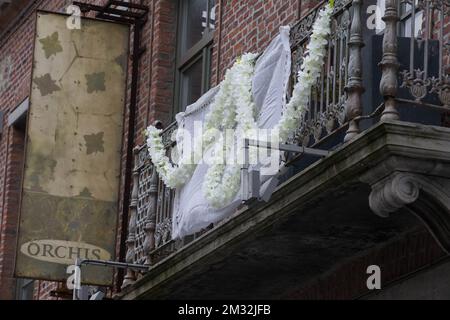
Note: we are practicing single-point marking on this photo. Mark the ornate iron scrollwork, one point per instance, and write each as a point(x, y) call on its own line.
point(420, 83)
point(326, 107)
point(416, 82)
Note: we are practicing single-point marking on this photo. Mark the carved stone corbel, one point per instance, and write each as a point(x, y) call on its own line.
point(426, 196)
point(393, 193)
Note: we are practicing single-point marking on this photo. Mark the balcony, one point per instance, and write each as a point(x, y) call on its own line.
point(382, 108)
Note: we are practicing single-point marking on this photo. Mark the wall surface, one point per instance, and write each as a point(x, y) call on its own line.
point(430, 284)
point(241, 26)
point(16, 51)
point(245, 26)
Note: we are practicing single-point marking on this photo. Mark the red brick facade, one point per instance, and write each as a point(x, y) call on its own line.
point(397, 259)
point(241, 26)
point(16, 46)
point(244, 27)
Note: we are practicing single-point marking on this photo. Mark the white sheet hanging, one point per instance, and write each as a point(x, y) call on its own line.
point(192, 213)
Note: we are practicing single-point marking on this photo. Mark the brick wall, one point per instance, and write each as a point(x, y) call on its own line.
point(248, 26)
point(241, 26)
point(43, 289)
point(401, 257)
point(154, 101)
point(156, 80)
point(437, 24)
point(13, 162)
point(17, 49)
point(163, 57)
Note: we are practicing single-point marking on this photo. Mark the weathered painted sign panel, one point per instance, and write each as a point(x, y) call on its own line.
point(73, 152)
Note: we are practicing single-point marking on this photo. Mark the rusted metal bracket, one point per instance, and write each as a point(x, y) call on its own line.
point(251, 181)
point(81, 293)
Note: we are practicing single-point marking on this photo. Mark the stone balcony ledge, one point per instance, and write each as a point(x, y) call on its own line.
point(387, 168)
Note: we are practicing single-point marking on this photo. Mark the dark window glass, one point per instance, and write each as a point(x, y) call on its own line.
point(406, 26)
point(195, 34)
point(25, 289)
point(212, 15)
point(191, 84)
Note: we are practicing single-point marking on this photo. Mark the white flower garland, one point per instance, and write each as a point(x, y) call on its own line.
point(222, 116)
point(234, 108)
point(222, 181)
point(309, 72)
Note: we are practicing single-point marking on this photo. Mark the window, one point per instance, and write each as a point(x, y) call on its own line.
point(18, 118)
point(195, 37)
point(122, 8)
point(381, 10)
point(24, 289)
point(406, 18)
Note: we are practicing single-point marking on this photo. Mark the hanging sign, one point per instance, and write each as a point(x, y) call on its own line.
point(69, 202)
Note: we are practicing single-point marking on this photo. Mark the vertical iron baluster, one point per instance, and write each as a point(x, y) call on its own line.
point(441, 42)
point(413, 36)
point(150, 222)
point(341, 57)
point(427, 38)
point(323, 107)
point(334, 69)
point(355, 86)
point(328, 72)
point(389, 63)
point(130, 276)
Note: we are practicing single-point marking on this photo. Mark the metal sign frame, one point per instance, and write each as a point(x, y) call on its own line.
point(27, 129)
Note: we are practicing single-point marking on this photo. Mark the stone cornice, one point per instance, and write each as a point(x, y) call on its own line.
point(379, 150)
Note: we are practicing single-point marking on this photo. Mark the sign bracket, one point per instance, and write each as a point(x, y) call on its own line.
point(81, 293)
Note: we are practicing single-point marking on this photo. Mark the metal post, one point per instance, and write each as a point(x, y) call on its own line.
point(355, 87)
point(244, 171)
point(82, 293)
point(389, 64)
point(251, 182)
point(77, 279)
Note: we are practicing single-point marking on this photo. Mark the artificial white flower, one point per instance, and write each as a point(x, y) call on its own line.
point(234, 108)
point(309, 72)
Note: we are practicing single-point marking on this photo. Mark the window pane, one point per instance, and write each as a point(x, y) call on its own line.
point(191, 84)
point(419, 23)
point(195, 23)
point(407, 7)
point(25, 289)
point(380, 11)
point(407, 25)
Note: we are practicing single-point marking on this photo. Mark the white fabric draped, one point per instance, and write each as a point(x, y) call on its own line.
point(192, 213)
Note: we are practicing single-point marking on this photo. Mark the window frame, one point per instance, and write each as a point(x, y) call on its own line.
point(200, 50)
point(404, 16)
point(24, 287)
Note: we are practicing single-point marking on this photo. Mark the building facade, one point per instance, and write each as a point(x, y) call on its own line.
point(318, 235)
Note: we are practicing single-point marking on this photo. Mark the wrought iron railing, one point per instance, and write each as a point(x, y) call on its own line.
point(429, 47)
point(327, 107)
point(335, 105)
point(150, 222)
